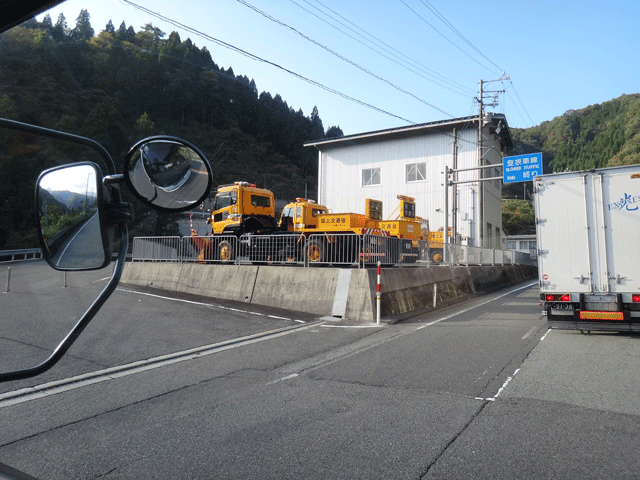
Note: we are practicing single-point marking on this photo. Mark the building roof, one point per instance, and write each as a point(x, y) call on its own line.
point(492, 119)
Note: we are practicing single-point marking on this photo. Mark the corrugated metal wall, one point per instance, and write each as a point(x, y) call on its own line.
point(340, 178)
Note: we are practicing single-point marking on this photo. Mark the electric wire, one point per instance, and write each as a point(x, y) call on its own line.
point(522, 103)
point(341, 57)
point(442, 18)
point(389, 48)
point(434, 79)
point(260, 59)
point(443, 36)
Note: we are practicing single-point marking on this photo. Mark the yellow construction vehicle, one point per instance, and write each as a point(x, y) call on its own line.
point(333, 237)
point(243, 223)
point(242, 208)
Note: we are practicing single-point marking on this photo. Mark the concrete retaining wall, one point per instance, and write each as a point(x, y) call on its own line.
point(403, 290)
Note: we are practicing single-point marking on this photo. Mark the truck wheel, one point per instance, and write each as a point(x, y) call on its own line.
point(436, 256)
point(316, 251)
point(286, 255)
point(225, 251)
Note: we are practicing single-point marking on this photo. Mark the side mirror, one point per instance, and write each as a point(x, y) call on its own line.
point(168, 174)
point(70, 205)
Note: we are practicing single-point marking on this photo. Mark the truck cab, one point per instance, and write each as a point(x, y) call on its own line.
point(241, 208)
point(300, 215)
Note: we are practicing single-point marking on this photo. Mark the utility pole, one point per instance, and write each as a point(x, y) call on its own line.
point(454, 209)
point(482, 94)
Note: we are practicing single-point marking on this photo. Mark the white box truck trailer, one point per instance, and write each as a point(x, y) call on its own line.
point(588, 228)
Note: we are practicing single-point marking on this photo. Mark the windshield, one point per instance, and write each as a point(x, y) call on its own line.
point(223, 200)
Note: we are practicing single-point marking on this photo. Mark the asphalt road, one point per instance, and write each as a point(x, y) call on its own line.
point(161, 387)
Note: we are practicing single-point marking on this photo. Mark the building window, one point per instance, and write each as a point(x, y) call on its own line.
point(511, 245)
point(527, 245)
point(370, 176)
point(416, 172)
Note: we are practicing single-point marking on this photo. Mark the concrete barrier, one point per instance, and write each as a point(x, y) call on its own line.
point(404, 291)
point(229, 282)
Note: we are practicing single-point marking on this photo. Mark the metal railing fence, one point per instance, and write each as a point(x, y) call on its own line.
point(7, 256)
point(316, 250)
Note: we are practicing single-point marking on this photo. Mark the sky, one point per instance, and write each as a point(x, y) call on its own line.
point(376, 64)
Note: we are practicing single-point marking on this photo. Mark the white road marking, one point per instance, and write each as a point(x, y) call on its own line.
point(205, 304)
point(328, 325)
point(72, 383)
point(504, 385)
point(529, 333)
point(293, 375)
point(455, 314)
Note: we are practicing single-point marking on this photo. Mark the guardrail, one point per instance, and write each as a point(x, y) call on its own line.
point(7, 256)
point(315, 250)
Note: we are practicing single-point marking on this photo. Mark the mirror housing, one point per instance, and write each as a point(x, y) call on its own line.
point(73, 231)
point(168, 174)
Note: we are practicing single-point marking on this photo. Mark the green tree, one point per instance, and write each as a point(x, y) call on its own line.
point(46, 23)
point(60, 30)
point(518, 217)
point(83, 31)
point(334, 132)
point(144, 126)
point(110, 29)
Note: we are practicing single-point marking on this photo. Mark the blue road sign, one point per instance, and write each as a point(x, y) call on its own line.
point(521, 168)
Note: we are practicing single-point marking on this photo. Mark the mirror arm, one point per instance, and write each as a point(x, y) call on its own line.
point(62, 348)
point(113, 179)
point(118, 213)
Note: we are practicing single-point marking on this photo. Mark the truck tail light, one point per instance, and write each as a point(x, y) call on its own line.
point(635, 298)
point(563, 297)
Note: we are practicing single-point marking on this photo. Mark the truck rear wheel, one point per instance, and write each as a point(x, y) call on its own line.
point(436, 256)
point(316, 251)
point(225, 251)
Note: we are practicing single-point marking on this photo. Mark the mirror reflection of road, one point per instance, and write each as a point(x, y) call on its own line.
point(479, 390)
point(191, 184)
point(83, 248)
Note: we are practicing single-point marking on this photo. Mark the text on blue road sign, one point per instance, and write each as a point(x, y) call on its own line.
point(521, 168)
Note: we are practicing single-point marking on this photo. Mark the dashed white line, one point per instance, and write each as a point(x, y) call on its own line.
point(500, 390)
point(529, 333)
point(293, 375)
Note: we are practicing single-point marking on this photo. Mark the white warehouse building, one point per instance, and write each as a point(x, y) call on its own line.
point(410, 161)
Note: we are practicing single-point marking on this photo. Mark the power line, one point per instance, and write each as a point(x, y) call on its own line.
point(443, 36)
point(368, 72)
point(260, 59)
point(434, 79)
point(522, 103)
point(442, 18)
point(409, 59)
point(457, 32)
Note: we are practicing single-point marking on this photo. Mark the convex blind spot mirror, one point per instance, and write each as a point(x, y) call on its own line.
point(168, 174)
point(69, 201)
